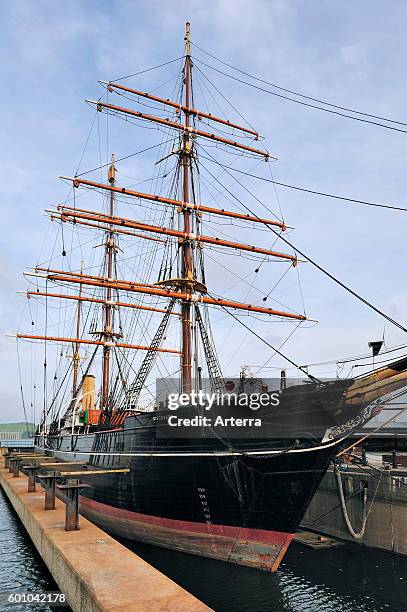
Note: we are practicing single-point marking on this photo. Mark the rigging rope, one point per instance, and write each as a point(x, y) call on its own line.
point(21, 390)
point(315, 106)
point(306, 190)
point(356, 535)
point(398, 479)
point(312, 378)
point(308, 258)
point(344, 360)
point(368, 435)
point(296, 93)
point(149, 266)
point(125, 157)
point(321, 516)
point(177, 59)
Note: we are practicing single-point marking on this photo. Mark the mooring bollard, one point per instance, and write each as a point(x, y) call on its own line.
point(11, 458)
point(32, 469)
point(72, 488)
point(48, 481)
point(10, 464)
point(16, 467)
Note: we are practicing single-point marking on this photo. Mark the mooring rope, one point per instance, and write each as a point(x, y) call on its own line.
point(365, 514)
point(355, 535)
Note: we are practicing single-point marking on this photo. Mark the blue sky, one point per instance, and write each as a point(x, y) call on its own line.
point(348, 53)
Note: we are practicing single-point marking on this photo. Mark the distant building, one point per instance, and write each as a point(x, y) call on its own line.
point(23, 443)
point(10, 435)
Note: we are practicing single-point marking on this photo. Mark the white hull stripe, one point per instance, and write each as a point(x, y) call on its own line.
point(197, 454)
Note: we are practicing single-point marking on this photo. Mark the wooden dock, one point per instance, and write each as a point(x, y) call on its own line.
point(94, 571)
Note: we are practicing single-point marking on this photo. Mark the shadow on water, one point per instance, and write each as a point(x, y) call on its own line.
point(21, 568)
point(346, 578)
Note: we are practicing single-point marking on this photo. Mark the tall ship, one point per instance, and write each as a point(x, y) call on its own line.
point(143, 311)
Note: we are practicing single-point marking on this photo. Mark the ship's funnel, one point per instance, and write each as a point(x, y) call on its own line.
point(88, 392)
point(378, 384)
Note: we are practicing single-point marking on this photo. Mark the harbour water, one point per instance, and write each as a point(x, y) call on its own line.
point(21, 567)
point(344, 578)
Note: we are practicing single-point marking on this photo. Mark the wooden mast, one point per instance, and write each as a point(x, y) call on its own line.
point(78, 334)
point(107, 331)
point(192, 111)
point(71, 215)
point(133, 287)
point(186, 289)
point(187, 271)
point(138, 347)
point(180, 126)
point(77, 182)
point(98, 301)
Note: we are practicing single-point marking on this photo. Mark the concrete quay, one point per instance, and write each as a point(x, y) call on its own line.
point(94, 571)
point(386, 525)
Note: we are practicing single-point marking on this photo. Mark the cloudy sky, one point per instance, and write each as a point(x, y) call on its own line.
point(351, 54)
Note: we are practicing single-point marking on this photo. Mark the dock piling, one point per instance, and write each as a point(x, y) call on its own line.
point(72, 488)
point(31, 469)
point(48, 480)
point(10, 465)
point(16, 467)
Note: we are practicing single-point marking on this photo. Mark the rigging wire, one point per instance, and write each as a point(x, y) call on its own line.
point(125, 157)
point(281, 345)
point(236, 180)
point(307, 190)
point(177, 59)
point(251, 285)
point(276, 350)
point(85, 146)
point(369, 434)
point(224, 97)
point(326, 110)
point(312, 261)
point(359, 461)
point(296, 93)
point(350, 359)
point(157, 178)
point(161, 213)
point(21, 389)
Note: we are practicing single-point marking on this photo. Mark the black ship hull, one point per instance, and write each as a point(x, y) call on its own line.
point(243, 510)
point(238, 508)
point(238, 500)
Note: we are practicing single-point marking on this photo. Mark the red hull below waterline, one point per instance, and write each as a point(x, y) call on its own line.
point(252, 547)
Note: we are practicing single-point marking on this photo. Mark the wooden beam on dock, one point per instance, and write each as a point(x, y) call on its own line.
point(25, 456)
point(93, 473)
point(62, 463)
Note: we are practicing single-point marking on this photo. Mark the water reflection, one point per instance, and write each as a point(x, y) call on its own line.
point(341, 579)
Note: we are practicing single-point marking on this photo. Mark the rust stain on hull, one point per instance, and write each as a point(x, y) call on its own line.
point(263, 549)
